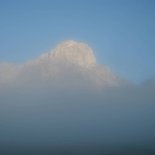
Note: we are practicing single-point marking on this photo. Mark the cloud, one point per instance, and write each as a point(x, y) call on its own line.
point(120, 117)
point(65, 108)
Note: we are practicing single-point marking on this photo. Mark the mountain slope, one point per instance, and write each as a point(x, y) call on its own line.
point(70, 63)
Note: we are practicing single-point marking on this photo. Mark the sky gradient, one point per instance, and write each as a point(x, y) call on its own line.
point(121, 32)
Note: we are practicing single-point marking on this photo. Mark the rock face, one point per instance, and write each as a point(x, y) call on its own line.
point(74, 52)
point(69, 63)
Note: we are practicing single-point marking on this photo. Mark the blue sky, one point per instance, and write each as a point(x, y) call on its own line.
point(121, 32)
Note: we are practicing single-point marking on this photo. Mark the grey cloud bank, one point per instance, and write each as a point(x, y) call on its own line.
point(65, 103)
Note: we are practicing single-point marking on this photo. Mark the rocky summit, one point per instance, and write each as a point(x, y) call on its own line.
point(69, 62)
point(75, 52)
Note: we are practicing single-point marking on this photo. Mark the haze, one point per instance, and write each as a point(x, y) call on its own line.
point(61, 102)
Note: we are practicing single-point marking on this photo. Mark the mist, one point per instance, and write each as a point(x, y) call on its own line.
point(64, 102)
point(80, 119)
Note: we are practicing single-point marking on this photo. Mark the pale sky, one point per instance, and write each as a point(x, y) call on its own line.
point(121, 32)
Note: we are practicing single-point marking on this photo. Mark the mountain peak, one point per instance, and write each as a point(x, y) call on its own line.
point(71, 61)
point(68, 43)
point(74, 52)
